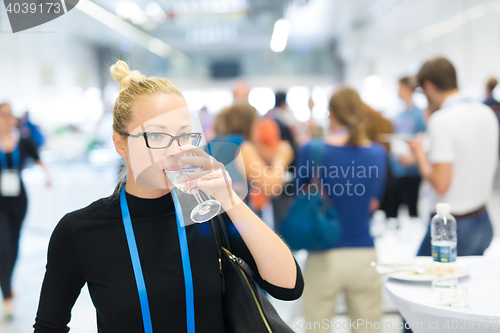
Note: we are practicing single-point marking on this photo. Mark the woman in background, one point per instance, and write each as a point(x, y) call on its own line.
point(354, 178)
point(264, 162)
point(14, 151)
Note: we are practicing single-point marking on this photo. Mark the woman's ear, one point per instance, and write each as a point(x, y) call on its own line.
point(119, 145)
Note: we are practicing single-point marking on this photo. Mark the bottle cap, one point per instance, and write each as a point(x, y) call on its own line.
point(443, 208)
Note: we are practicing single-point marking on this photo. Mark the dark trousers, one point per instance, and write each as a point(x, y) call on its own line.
point(474, 235)
point(399, 191)
point(12, 212)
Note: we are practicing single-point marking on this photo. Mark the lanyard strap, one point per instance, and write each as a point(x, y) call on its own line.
point(136, 263)
point(16, 159)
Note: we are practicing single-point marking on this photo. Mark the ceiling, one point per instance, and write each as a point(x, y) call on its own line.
point(202, 31)
point(189, 25)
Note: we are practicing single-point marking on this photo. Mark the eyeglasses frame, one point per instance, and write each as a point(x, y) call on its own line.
point(172, 138)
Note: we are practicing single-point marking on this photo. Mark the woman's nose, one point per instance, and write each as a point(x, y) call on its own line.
point(175, 147)
point(173, 150)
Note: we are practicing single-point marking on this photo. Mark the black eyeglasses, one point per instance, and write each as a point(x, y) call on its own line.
point(159, 140)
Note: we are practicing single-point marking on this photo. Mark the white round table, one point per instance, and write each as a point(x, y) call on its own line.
point(482, 313)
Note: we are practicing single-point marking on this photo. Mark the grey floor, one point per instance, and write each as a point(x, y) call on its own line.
point(75, 186)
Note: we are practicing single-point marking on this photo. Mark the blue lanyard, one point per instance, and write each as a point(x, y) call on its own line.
point(136, 263)
point(16, 159)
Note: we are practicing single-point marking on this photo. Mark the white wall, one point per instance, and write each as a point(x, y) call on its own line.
point(46, 72)
point(412, 31)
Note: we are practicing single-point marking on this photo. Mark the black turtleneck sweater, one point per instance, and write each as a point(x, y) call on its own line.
point(89, 246)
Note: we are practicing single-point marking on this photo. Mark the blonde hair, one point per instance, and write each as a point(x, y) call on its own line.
point(133, 85)
point(347, 107)
point(220, 122)
point(237, 119)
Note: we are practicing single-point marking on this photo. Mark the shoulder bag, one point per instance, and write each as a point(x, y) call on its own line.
point(246, 308)
point(312, 223)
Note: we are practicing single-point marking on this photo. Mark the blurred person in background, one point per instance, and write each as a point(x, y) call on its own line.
point(403, 168)
point(377, 127)
point(462, 158)
point(490, 100)
point(14, 151)
point(284, 118)
point(223, 134)
point(207, 123)
point(461, 162)
point(30, 130)
point(267, 139)
point(346, 266)
point(264, 165)
point(89, 246)
point(220, 124)
point(288, 127)
point(241, 90)
point(314, 130)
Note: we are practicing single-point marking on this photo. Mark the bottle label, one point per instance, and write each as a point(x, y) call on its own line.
point(444, 253)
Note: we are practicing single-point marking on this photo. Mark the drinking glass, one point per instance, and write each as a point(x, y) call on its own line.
point(206, 209)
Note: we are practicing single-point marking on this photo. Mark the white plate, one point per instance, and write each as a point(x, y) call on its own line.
point(420, 262)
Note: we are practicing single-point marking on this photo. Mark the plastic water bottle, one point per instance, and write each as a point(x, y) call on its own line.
point(444, 247)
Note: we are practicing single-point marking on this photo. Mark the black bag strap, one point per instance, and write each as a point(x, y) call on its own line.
point(223, 231)
point(218, 243)
point(222, 241)
point(220, 234)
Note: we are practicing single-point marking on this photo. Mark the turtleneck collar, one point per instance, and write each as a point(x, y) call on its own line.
point(144, 208)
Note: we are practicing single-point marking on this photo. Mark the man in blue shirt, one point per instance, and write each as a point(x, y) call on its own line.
point(404, 169)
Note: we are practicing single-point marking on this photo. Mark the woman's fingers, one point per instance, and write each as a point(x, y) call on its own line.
point(199, 173)
point(214, 179)
point(224, 178)
point(202, 157)
point(197, 160)
point(208, 163)
point(206, 174)
point(217, 182)
point(197, 150)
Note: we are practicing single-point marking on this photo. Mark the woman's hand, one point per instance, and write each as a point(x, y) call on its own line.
point(273, 258)
point(374, 205)
point(407, 160)
point(213, 179)
point(417, 144)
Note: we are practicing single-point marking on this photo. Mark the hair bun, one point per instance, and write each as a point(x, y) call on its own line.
point(122, 74)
